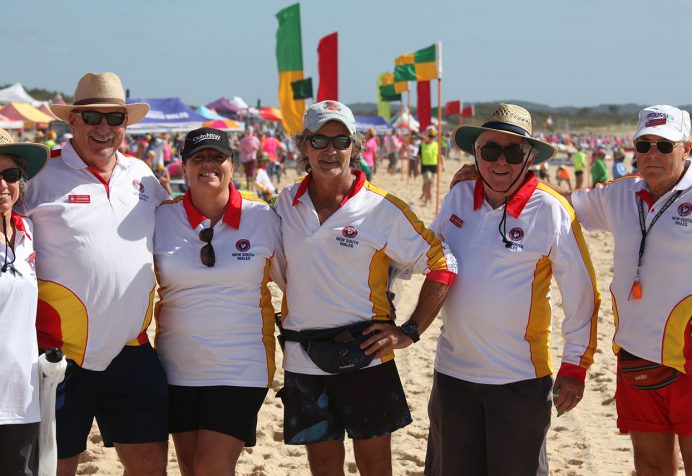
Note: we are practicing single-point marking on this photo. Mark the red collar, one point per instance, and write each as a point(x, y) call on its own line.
point(646, 197)
point(19, 224)
point(231, 217)
point(517, 203)
point(355, 188)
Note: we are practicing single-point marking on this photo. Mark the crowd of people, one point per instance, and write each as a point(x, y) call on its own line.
point(333, 243)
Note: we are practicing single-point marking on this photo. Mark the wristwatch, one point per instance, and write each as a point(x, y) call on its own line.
point(410, 329)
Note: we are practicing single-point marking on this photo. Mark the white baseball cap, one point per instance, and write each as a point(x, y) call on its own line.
point(665, 121)
point(322, 112)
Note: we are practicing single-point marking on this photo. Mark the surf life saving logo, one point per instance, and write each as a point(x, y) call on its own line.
point(684, 210)
point(349, 232)
point(139, 189)
point(347, 239)
point(331, 106)
point(516, 234)
point(456, 221)
point(243, 246)
point(79, 199)
point(31, 260)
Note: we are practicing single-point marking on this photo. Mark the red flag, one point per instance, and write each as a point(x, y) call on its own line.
point(424, 111)
point(328, 68)
point(453, 107)
point(468, 111)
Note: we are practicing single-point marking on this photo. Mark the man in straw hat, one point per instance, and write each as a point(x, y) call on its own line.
point(93, 213)
point(490, 403)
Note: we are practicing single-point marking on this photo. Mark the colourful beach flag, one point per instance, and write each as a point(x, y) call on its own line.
point(388, 88)
point(453, 107)
point(289, 57)
point(468, 111)
point(424, 111)
point(302, 89)
point(383, 107)
point(328, 68)
point(423, 65)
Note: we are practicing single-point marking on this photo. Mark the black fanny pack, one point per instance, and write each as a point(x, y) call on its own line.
point(336, 350)
point(643, 374)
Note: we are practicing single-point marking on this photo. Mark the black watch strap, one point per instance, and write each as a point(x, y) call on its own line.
point(410, 329)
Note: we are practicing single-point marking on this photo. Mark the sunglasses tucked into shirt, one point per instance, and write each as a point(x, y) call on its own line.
point(207, 254)
point(93, 118)
point(663, 146)
point(322, 142)
point(513, 153)
point(11, 175)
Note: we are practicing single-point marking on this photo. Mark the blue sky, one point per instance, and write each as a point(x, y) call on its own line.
point(555, 52)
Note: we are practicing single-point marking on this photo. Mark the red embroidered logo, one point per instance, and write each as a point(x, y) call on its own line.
point(31, 259)
point(516, 234)
point(138, 186)
point(79, 199)
point(659, 121)
point(685, 209)
point(242, 245)
point(456, 221)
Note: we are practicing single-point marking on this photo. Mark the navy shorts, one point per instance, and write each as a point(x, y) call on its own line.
point(366, 403)
point(129, 400)
point(224, 409)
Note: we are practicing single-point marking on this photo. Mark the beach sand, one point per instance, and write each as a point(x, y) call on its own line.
point(584, 441)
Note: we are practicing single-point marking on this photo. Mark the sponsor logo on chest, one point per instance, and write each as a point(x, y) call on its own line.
point(139, 190)
point(515, 235)
point(683, 218)
point(84, 199)
point(456, 221)
point(347, 239)
point(243, 246)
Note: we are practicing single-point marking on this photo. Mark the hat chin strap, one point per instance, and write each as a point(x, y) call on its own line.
point(523, 171)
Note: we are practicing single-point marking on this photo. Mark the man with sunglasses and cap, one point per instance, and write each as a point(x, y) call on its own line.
point(490, 403)
point(93, 213)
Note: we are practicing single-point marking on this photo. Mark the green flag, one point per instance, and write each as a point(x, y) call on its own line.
point(289, 58)
point(302, 89)
point(423, 65)
point(383, 107)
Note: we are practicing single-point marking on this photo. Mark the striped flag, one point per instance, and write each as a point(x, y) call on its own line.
point(388, 88)
point(289, 57)
point(423, 65)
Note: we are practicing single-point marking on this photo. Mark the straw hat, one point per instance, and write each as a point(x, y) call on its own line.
point(508, 119)
point(35, 155)
point(101, 90)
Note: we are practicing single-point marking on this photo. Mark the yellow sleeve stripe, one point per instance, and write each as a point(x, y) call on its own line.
point(587, 358)
point(436, 258)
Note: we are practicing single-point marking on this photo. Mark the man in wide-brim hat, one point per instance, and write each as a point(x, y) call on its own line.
point(93, 213)
point(490, 403)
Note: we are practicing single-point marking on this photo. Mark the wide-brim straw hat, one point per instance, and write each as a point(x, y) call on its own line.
point(35, 155)
point(102, 90)
point(508, 119)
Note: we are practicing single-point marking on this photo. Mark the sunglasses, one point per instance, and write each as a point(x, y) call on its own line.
point(11, 175)
point(663, 146)
point(513, 153)
point(206, 254)
point(93, 118)
point(322, 142)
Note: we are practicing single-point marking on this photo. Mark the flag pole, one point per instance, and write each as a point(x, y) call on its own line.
point(401, 157)
point(408, 142)
point(439, 142)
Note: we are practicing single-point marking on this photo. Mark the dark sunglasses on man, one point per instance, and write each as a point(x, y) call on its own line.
point(11, 175)
point(93, 118)
point(322, 142)
point(663, 146)
point(206, 254)
point(513, 153)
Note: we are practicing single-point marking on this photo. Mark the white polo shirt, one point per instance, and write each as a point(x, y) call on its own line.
point(497, 323)
point(95, 239)
point(337, 272)
point(215, 325)
point(19, 403)
point(657, 326)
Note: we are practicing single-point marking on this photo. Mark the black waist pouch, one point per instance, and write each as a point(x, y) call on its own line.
point(336, 350)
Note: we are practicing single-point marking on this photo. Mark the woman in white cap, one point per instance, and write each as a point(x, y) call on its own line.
point(650, 217)
point(341, 234)
point(19, 399)
point(215, 251)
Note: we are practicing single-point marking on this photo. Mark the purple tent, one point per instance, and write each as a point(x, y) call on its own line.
point(224, 106)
